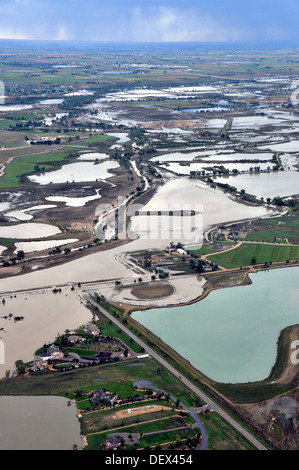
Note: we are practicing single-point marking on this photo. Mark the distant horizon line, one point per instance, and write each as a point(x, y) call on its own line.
point(82, 41)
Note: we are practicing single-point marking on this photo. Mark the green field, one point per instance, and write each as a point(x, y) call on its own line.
point(102, 376)
point(160, 428)
point(24, 116)
point(166, 437)
point(204, 250)
point(268, 229)
point(222, 436)
point(123, 391)
point(97, 138)
point(87, 404)
point(252, 392)
point(243, 255)
point(11, 138)
point(159, 425)
point(7, 242)
point(82, 352)
point(26, 165)
point(291, 232)
point(4, 123)
point(109, 329)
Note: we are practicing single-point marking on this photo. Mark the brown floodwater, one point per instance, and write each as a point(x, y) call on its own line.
point(38, 423)
point(45, 316)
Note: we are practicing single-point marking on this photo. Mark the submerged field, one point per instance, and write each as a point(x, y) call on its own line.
point(219, 115)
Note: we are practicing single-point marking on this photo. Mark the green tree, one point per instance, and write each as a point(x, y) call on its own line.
point(21, 368)
point(20, 255)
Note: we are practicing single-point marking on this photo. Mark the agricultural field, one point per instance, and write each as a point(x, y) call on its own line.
point(23, 166)
point(284, 228)
point(249, 254)
point(148, 436)
point(205, 120)
point(11, 139)
point(121, 373)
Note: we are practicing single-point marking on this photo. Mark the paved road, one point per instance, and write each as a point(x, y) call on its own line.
point(85, 296)
point(192, 411)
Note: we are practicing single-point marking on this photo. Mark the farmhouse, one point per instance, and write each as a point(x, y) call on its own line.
point(74, 339)
point(92, 329)
point(113, 442)
point(54, 352)
point(102, 396)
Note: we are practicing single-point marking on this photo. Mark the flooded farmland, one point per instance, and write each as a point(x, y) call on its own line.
point(38, 423)
point(45, 315)
point(281, 183)
point(77, 172)
point(28, 230)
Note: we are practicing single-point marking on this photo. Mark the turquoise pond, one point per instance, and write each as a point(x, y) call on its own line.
point(231, 335)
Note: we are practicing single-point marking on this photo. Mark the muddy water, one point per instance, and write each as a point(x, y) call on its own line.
point(23, 214)
point(29, 247)
point(181, 193)
point(277, 183)
point(27, 231)
point(94, 267)
point(45, 315)
point(74, 201)
point(78, 172)
point(240, 156)
point(208, 167)
point(153, 232)
point(17, 107)
point(38, 423)
point(185, 156)
point(291, 146)
point(122, 136)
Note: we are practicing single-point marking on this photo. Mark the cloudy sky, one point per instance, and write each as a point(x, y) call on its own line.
point(150, 20)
